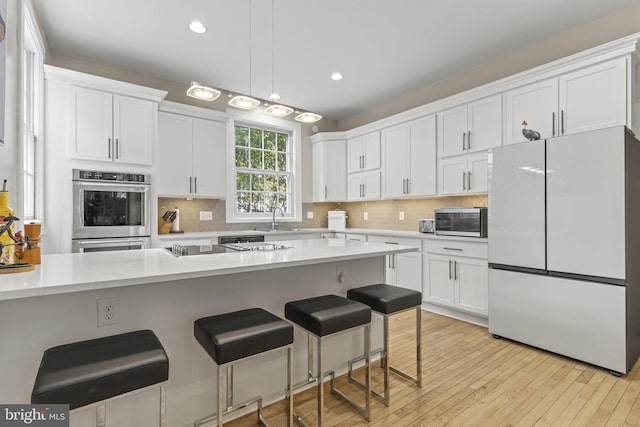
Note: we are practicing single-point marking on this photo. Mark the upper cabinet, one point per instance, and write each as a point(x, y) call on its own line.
point(363, 152)
point(329, 170)
point(591, 98)
point(463, 174)
point(409, 159)
point(190, 155)
point(472, 127)
point(108, 127)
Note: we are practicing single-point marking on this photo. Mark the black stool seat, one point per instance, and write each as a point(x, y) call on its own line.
point(386, 299)
point(327, 314)
point(90, 371)
point(232, 336)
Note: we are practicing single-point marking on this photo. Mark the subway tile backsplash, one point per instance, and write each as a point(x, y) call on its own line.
point(381, 213)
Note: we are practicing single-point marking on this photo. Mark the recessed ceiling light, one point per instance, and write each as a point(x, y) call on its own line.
point(336, 76)
point(308, 117)
point(274, 96)
point(197, 27)
point(202, 92)
point(279, 110)
point(244, 102)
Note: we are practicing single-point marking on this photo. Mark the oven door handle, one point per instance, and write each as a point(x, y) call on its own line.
point(116, 187)
point(106, 243)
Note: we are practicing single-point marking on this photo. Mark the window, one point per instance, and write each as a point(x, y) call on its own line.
point(32, 89)
point(263, 171)
point(264, 174)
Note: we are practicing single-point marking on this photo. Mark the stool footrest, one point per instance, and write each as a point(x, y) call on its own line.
point(361, 409)
point(231, 409)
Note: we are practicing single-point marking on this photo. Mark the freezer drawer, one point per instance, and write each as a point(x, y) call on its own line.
point(582, 320)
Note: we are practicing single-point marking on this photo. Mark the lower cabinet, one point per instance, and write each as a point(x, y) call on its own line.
point(404, 269)
point(459, 282)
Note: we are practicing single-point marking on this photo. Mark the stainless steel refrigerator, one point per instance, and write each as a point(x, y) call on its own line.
point(564, 245)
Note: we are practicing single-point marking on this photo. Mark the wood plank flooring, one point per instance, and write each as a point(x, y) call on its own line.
point(471, 379)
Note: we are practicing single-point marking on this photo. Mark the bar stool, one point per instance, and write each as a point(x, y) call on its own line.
point(231, 337)
point(94, 372)
point(325, 316)
point(388, 300)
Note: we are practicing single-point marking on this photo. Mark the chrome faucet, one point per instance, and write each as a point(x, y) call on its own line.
point(274, 224)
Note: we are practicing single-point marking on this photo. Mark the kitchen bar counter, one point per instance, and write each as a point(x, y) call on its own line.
point(63, 273)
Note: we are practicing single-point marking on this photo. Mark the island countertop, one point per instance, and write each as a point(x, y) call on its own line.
point(64, 273)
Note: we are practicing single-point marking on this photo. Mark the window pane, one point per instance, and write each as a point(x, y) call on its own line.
point(271, 201)
point(283, 183)
point(271, 183)
point(243, 181)
point(256, 138)
point(242, 202)
point(282, 162)
point(283, 201)
point(283, 138)
point(270, 160)
point(242, 158)
point(242, 136)
point(257, 202)
point(269, 140)
point(257, 182)
point(256, 159)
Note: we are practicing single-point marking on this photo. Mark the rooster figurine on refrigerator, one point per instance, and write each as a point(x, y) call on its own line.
point(530, 134)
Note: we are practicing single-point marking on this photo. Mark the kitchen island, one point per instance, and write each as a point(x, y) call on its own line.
point(57, 304)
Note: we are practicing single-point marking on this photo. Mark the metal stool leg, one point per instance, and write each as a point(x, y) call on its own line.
point(419, 346)
point(320, 382)
point(101, 416)
point(289, 388)
point(385, 359)
point(220, 399)
point(163, 407)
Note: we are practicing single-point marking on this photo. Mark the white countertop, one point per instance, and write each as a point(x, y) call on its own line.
point(62, 273)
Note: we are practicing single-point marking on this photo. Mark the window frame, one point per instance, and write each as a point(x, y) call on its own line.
point(261, 121)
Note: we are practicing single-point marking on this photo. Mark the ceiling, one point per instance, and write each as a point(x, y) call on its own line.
point(383, 47)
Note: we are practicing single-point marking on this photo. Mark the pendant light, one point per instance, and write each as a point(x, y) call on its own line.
point(202, 92)
point(275, 110)
point(241, 101)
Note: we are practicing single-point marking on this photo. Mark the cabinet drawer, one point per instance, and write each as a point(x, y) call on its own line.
point(414, 243)
point(456, 248)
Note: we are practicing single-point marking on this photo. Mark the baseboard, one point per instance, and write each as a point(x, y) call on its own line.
point(456, 314)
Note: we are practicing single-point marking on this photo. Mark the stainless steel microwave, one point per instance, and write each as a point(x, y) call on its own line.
point(470, 222)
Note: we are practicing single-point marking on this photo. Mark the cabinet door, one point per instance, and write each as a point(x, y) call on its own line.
point(485, 124)
point(209, 158)
point(355, 148)
point(452, 128)
point(91, 124)
point(593, 98)
point(371, 181)
point(354, 187)
point(408, 271)
point(371, 151)
point(172, 167)
point(452, 173)
point(477, 173)
point(133, 122)
point(471, 285)
point(536, 104)
point(438, 284)
point(335, 171)
point(422, 156)
point(318, 172)
point(394, 148)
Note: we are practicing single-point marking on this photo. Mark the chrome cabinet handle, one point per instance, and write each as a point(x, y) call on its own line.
point(117, 148)
point(393, 262)
point(404, 186)
point(464, 180)
point(469, 180)
point(364, 161)
point(109, 148)
point(449, 269)
point(468, 140)
point(364, 190)
point(389, 261)
point(452, 249)
point(195, 185)
point(408, 190)
point(464, 135)
point(190, 184)
point(553, 123)
point(562, 121)
point(455, 270)
point(325, 191)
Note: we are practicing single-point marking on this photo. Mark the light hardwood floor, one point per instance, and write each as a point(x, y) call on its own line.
point(472, 379)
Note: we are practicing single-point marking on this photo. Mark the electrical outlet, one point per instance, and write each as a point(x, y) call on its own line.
point(401, 216)
point(206, 215)
point(340, 272)
point(108, 311)
point(365, 216)
point(310, 215)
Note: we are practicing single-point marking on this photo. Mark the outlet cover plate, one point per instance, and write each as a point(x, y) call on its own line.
point(365, 216)
point(206, 215)
point(310, 215)
point(108, 311)
point(401, 215)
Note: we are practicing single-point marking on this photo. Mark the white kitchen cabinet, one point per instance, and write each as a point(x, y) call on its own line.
point(190, 160)
point(363, 185)
point(363, 152)
point(329, 170)
point(409, 159)
point(456, 275)
point(404, 269)
point(590, 98)
point(109, 127)
point(466, 174)
point(472, 127)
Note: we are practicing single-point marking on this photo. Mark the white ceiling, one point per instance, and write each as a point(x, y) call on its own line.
point(383, 47)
